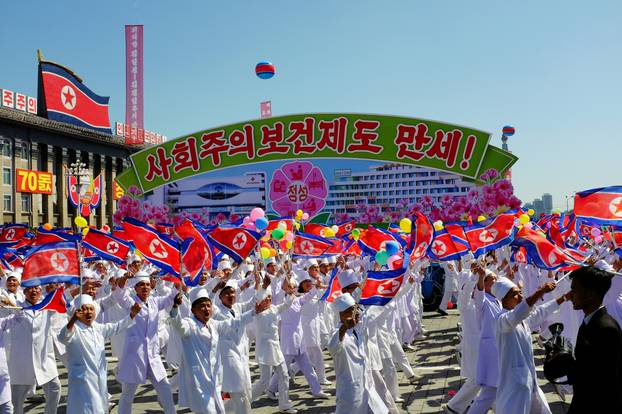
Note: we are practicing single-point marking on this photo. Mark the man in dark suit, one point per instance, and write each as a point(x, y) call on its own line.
point(597, 372)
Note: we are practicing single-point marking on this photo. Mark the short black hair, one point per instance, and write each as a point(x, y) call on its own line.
point(593, 279)
point(199, 301)
point(225, 288)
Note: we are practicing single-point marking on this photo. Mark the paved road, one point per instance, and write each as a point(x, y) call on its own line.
point(434, 358)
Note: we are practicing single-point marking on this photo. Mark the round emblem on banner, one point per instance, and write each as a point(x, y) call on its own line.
point(553, 258)
point(420, 250)
point(112, 247)
point(68, 97)
point(156, 249)
point(439, 248)
point(306, 247)
point(616, 206)
point(59, 261)
point(487, 236)
point(239, 241)
point(347, 227)
point(10, 234)
point(389, 287)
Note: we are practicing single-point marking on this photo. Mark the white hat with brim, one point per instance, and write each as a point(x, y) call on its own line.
point(15, 275)
point(311, 262)
point(501, 287)
point(141, 276)
point(230, 284)
point(197, 293)
point(224, 265)
point(344, 302)
point(347, 278)
point(270, 260)
point(82, 300)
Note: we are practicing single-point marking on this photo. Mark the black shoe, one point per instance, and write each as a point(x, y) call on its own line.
point(442, 312)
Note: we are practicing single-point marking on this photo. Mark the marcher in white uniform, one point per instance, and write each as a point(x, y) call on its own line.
point(141, 353)
point(6, 406)
point(518, 391)
point(87, 367)
point(450, 287)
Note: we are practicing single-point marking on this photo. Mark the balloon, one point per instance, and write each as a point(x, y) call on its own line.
point(529, 225)
point(264, 70)
point(391, 261)
point(272, 252)
point(335, 229)
point(406, 225)
point(283, 226)
point(289, 236)
point(356, 234)
point(81, 221)
point(530, 212)
point(392, 248)
point(298, 213)
point(305, 216)
point(328, 232)
point(438, 225)
point(297, 225)
point(47, 226)
point(598, 239)
point(524, 219)
point(85, 231)
point(381, 257)
point(481, 218)
point(277, 234)
point(265, 244)
point(256, 213)
point(265, 252)
point(261, 223)
point(289, 244)
point(595, 232)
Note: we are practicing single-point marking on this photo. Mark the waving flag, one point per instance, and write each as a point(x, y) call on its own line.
point(381, 287)
point(274, 223)
point(315, 229)
point(601, 206)
point(12, 234)
point(337, 246)
point(445, 248)
point(64, 98)
point(333, 291)
point(53, 301)
point(44, 236)
point(106, 246)
point(237, 242)
point(491, 234)
point(540, 251)
point(196, 254)
point(421, 236)
point(345, 227)
point(52, 263)
point(158, 248)
point(308, 246)
point(12, 260)
point(374, 240)
point(457, 234)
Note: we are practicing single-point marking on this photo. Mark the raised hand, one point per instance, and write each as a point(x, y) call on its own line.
point(135, 309)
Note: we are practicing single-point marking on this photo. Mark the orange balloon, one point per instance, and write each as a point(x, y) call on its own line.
point(272, 252)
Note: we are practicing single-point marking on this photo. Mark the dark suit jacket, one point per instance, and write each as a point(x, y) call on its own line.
point(597, 373)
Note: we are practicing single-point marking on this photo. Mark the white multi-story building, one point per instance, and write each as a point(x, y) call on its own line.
point(387, 185)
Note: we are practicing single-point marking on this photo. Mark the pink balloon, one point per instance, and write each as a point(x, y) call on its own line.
point(598, 239)
point(391, 260)
point(289, 236)
point(256, 213)
point(305, 216)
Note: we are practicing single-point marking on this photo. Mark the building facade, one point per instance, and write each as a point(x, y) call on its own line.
point(37, 144)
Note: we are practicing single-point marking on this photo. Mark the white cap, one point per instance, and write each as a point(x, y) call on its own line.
point(270, 260)
point(82, 300)
point(311, 262)
point(488, 272)
point(332, 259)
point(302, 276)
point(120, 272)
point(224, 264)
point(344, 302)
point(262, 294)
point(324, 261)
point(141, 276)
point(501, 287)
point(230, 283)
point(197, 293)
point(89, 274)
point(14, 274)
point(347, 277)
point(134, 258)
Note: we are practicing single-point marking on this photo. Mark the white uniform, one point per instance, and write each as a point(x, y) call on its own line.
point(87, 366)
point(5, 385)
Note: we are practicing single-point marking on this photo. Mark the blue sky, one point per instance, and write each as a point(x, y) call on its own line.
point(551, 69)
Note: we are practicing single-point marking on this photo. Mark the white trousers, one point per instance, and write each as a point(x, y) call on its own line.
point(302, 360)
point(265, 374)
point(465, 395)
point(317, 361)
point(447, 294)
point(162, 388)
point(51, 390)
point(484, 400)
point(239, 403)
point(399, 358)
point(389, 372)
point(383, 392)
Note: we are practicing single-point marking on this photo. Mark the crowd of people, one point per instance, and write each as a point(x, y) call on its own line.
point(197, 340)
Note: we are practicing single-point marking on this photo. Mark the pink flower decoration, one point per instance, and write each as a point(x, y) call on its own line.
point(298, 185)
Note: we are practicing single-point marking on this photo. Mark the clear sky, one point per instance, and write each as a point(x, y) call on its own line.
point(552, 69)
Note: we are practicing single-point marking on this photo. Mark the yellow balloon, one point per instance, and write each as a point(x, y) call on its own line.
point(406, 225)
point(481, 218)
point(289, 245)
point(530, 212)
point(298, 213)
point(85, 231)
point(81, 221)
point(524, 219)
point(329, 232)
point(297, 226)
point(438, 225)
point(265, 252)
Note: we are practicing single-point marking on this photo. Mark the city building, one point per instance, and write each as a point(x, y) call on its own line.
point(543, 205)
point(387, 184)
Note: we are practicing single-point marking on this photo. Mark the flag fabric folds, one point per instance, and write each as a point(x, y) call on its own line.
point(381, 287)
point(52, 263)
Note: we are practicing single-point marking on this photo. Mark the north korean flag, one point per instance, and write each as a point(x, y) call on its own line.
point(375, 239)
point(44, 236)
point(381, 287)
point(491, 234)
point(53, 301)
point(345, 227)
point(64, 98)
point(52, 263)
point(237, 242)
point(333, 291)
point(197, 252)
point(602, 206)
point(315, 229)
point(274, 223)
point(444, 247)
point(337, 246)
point(308, 246)
point(457, 234)
point(12, 260)
point(12, 234)
point(158, 248)
point(107, 246)
point(540, 251)
point(421, 236)
point(351, 247)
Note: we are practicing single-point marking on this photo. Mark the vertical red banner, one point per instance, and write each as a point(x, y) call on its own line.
point(134, 77)
point(265, 109)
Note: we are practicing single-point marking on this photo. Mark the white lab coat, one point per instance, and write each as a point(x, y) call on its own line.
point(291, 330)
point(469, 346)
point(267, 346)
point(518, 391)
point(310, 321)
point(5, 383)
point(354, 383)
point(87, 366)
point(488, 355)
point(199, 388)
point(141, 345)
point(32, 333)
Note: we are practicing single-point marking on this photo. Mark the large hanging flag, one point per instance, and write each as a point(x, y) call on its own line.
point(492, 233)
point(602, 206)
point(333, 291)
point(540, 251)
point(309, 246)
point(381, 287)
point(156, 247)
point(106, 246)
point(52, 263)
point(53, 301)
point(12, 234)
point(237, 242)
point(64, 98)
point(421, 236)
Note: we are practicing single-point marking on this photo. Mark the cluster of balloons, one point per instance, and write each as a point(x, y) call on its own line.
point(256, 220)
point(82, 224)
point(390, 255)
